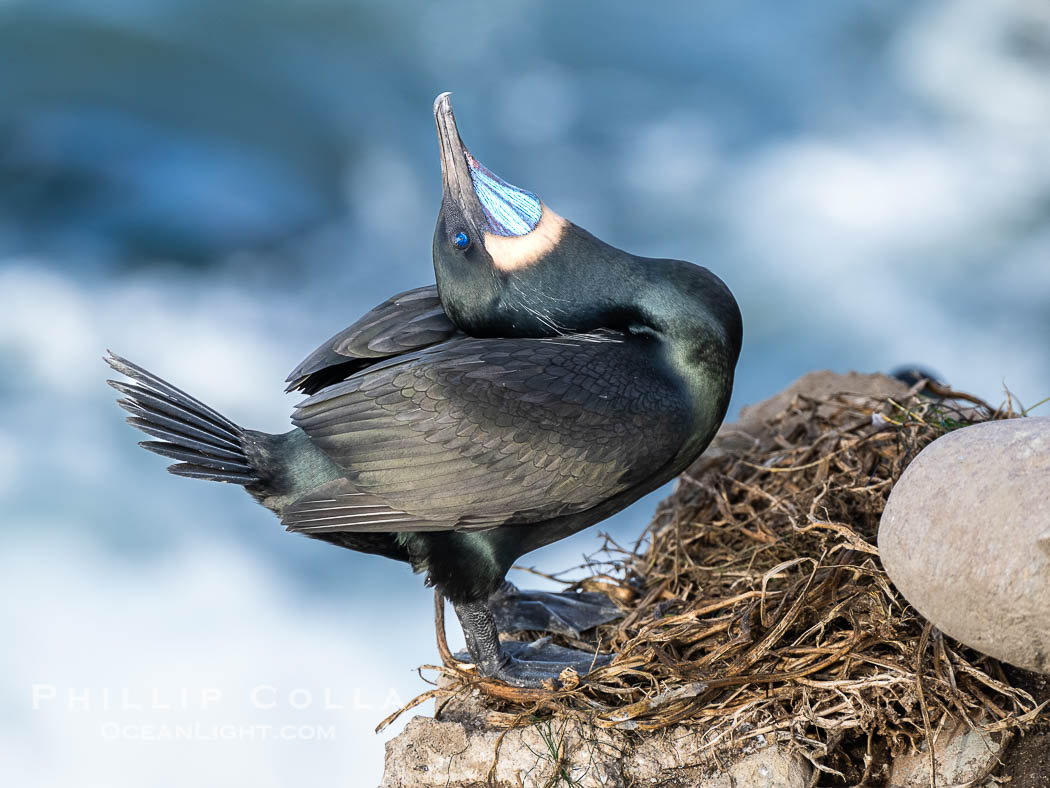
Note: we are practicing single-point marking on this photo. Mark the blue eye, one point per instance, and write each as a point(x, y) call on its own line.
point(462, 240)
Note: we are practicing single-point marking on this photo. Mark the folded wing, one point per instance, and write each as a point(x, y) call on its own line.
point(408, 321)
point(476, 433)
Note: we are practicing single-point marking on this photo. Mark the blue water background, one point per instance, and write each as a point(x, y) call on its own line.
point(211, 189)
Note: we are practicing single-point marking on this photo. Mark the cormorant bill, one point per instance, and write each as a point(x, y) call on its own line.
point(547, 381)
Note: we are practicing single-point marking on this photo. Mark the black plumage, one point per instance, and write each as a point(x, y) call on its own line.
point(408, 321)
point(469, 432)
point(546, 381)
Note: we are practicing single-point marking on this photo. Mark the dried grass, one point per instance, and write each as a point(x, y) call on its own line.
point(756, 604)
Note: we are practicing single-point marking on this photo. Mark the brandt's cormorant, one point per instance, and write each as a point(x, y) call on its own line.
point(547, 381)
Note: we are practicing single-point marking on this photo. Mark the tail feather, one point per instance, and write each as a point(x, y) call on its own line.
point(158, 420)
point(187, 441)
point(148, 400)
point(134, 371)
point(176, 452)
point(192, 471)
point(208, 445)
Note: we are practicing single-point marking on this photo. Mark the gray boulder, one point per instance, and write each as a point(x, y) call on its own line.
point(966, 538)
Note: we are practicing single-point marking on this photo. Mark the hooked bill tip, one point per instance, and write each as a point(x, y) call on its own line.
point(442, 101)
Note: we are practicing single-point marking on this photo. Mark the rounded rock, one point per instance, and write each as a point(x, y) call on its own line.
point(966, 538)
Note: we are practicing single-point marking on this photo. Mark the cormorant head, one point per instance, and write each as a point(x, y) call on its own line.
point(486, 226)
point(507, 265)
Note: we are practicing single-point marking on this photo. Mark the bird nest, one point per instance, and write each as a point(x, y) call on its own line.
point(757, 609)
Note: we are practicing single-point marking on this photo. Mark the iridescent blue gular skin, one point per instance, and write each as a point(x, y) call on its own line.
point(510, 210)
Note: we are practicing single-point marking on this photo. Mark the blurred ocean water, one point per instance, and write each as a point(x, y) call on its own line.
point(213, 189)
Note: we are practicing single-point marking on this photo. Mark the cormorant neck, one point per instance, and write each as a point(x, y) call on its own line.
point(584, 284)
point(684, 309)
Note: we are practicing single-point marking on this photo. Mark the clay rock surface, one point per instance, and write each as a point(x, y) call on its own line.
point(456, 753)
point(739, 436)
point(965, 537)
point(821, 384)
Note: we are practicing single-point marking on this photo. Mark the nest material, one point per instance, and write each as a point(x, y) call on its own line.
point(756, 604)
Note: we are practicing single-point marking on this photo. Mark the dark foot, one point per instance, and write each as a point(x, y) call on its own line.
point(518, 664)
point(567, 613)
point(533, 664)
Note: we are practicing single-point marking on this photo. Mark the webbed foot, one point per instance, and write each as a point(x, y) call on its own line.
point(518, 664)
point(539, 662)
point(566, 613)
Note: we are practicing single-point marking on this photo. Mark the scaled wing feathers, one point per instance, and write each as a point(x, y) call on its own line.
point(476, 433)
point(408, 321)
